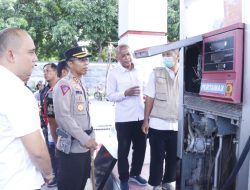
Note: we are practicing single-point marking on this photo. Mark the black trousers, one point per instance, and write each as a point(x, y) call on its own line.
point(73, 170)
point(128, 132)
point(163, 146)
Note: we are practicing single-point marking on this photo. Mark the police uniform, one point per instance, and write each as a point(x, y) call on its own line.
point(71, 107)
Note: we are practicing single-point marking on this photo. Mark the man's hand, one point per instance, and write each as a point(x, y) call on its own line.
point(133, 91)
point(91, 144)
point(38, 152)
point(145, 127)
point(48, 178)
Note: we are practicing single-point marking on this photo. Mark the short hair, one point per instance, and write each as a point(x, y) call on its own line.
point(52, 65)
point(39, 83)
point(61, 65)
point(8, 36)
point(120, 47)
point(173, 52)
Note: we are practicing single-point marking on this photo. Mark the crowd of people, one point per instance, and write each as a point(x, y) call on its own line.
point(46, 138)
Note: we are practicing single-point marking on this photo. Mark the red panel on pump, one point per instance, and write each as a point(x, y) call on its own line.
point(222, 64)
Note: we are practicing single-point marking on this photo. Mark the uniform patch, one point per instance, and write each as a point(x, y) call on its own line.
point(64, 88)
point(77, 87)
point(80, 107)
point(78, 92)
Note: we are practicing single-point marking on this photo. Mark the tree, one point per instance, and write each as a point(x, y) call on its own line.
point(173, 20)
point(57, 25)
point(102, 23)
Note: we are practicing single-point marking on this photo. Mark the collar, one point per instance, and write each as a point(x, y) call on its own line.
point(171, 71)
point(12, 75)
point(123, 69)
point(74, 79)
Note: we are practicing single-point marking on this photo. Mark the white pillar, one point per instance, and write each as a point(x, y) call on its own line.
point(143, 23)
point(243, 178)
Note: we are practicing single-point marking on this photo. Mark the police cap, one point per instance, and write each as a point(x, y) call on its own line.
point(77, 52)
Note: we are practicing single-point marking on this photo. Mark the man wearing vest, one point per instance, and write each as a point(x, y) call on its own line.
point(161, 121)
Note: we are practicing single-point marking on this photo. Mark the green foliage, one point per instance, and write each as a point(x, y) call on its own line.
point(101, 23)
point(57, 25)
point(108, 55)
point(173, 20)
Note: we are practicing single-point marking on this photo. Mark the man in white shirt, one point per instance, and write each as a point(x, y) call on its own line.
point(161, 121)
point(124, 86)
point(24, 159)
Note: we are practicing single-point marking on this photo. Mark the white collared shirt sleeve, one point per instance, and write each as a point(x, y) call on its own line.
point(129, 108)
point(150, 87)
point(113, 94)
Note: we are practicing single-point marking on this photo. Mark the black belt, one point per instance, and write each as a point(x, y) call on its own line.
point(89, 131)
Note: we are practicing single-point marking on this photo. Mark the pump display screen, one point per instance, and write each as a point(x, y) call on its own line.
point(219, 55)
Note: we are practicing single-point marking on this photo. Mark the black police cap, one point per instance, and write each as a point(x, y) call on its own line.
point(61, 62)
point(77, 52)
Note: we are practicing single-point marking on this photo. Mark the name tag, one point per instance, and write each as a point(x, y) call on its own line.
point(78, 92)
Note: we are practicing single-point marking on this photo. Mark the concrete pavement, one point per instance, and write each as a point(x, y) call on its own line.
point(103, 117)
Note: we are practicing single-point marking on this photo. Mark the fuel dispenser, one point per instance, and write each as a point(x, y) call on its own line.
point(210, 105)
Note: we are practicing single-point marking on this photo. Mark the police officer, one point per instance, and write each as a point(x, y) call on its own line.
point(76, 138)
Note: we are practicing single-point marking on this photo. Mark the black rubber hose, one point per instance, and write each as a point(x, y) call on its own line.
point(237, 167)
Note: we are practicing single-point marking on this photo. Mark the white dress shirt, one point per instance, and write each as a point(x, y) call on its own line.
point(157, 123)
point(130, 108)
point(19, 116)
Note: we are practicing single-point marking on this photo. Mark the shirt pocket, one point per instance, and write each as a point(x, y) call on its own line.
point(161, 96)
point(80, 105)
point(161, 85)
point(123, 84)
